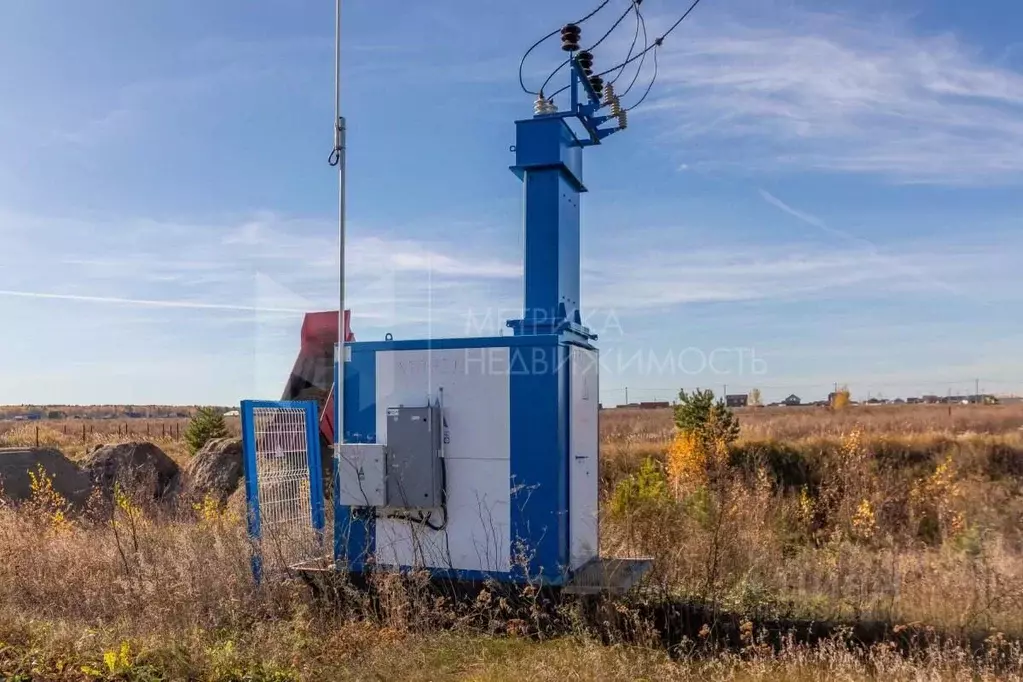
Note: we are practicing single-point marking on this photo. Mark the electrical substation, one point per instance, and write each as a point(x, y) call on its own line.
point(471, 458)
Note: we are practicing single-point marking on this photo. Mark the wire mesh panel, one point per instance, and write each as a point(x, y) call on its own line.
point(284, 483)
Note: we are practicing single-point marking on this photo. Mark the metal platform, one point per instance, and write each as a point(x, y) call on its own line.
point(324, 564)
point(602, 576)
point(607, 576)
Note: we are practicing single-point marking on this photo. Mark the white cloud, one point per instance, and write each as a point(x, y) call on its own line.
point(393, 282)
point(407, 285)
point(657, 277)
point(802, 91)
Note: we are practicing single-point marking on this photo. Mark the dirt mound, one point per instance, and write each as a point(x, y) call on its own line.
point(216, 470)
point(17, 463)
point(142, 468)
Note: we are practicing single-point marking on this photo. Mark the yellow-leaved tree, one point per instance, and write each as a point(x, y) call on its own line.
point(840, 398)
point(699, 452)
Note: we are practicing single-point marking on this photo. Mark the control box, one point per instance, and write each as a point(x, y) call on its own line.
point(415, 473)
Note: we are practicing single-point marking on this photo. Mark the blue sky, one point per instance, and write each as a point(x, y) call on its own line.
point(831, 188)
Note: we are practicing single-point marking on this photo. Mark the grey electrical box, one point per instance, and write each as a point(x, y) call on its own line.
point(415, 475)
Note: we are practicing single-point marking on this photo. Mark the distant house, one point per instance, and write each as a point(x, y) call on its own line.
point(737, 400)
point(232, 413)
point(654, 405)
point(792, 400)
point(931, 399)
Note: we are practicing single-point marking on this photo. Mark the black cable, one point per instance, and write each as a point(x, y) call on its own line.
point(591, 48)
point(642, 61)
point(656, 44)
point(537, 44)
point(635, 38)
point(680, 20)
point(522, 62)
point(648, 87)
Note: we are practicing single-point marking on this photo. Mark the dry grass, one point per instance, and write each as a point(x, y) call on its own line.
point(305, 649)
point(173, 599)
point(76, 438)
point(76, 446)
point(901, 513)
point(100, 412)
point(795, 423)
point(914, 520)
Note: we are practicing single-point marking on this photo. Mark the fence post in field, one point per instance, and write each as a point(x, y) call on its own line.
point(83, 433)
point(37, 435)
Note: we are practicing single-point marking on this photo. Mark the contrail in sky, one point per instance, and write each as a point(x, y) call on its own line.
point(151, 303)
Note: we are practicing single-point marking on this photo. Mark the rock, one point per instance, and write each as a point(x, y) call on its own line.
point(216, 470)
point(142, 468)
point(66, 478)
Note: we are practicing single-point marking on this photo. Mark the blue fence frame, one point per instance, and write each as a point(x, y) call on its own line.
point(314, 461)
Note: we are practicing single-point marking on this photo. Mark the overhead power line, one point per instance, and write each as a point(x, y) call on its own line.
point(653, 46)
point(635, 37)
point(633, 7)
point(639, 68)
point(550, 35)
point(650, 85)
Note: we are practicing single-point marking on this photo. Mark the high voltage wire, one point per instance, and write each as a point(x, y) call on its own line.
point(537, 44)
point(656, 44)
point(635, 37)
point(649, 86)
point(633, 7)
point(639, 68)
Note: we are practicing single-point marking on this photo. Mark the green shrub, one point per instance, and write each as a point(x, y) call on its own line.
point(644, 491)
point(205, 425)
point(711, 421)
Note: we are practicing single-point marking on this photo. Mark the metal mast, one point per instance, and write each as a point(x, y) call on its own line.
point(338, 159)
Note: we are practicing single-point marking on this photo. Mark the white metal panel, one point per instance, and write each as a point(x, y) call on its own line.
point(478, 531)
point(583, 446)
point(475, 383)
point(476, 395)
point(362, 475)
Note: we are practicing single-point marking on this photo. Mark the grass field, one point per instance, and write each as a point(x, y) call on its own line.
point(905, 515)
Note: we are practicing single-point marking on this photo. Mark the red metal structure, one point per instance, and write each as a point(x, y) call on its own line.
point(312, 377)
